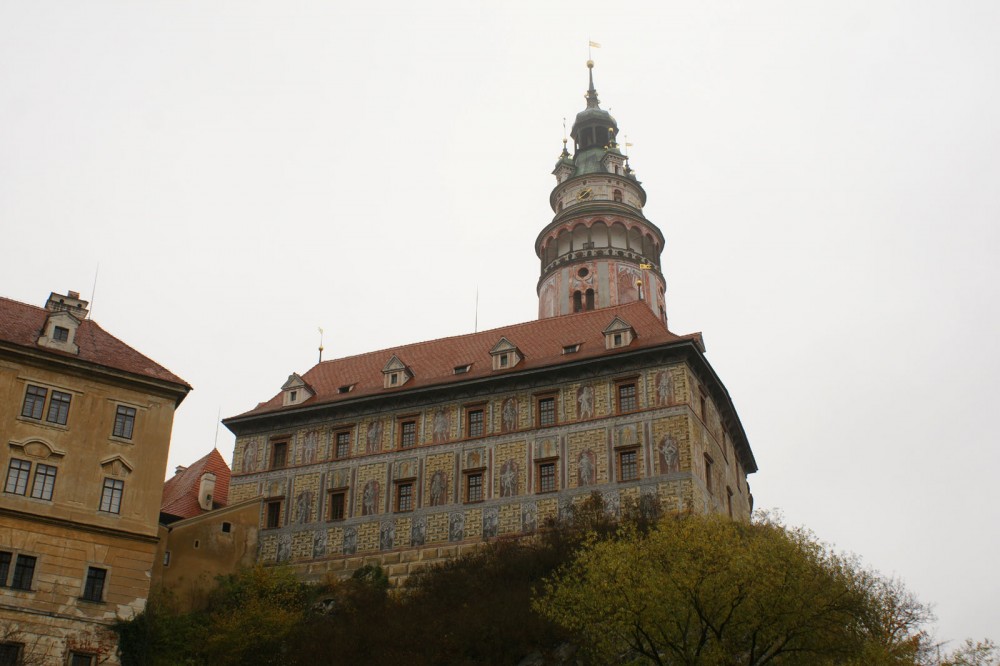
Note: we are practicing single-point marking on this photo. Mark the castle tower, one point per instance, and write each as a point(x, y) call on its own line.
point(599, 250)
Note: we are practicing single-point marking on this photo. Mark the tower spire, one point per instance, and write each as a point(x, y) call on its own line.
point(592, 101)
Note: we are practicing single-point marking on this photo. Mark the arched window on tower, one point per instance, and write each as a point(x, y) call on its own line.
point(577, 301)
point(590, 299)
point(618, 195)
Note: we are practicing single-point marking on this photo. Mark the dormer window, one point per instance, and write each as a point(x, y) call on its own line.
point(462, 369)
point(295, 391)
point(571, 349)
point(619, 333)
point(346, 389)
point(60, 332)
point(395, 373)
point(505, 354)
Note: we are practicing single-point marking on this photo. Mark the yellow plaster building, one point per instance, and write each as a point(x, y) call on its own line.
point(85, 424)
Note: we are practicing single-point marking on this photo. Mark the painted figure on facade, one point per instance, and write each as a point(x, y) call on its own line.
point(374, 437)
point(441, 426)
point(439, 488)
point(309, 448)
point(456, 527)
point(628, 284)
point(529, 516)
point(664, 388)
point(350, 540)
point(547, 300)
point(418, 531)
point(508, 479)
point(369, 498)
point(509, 415)
point(387, 535)
point(587, 467)
point(585, 400)
point(491, 522)
point(303, 507)
point(284, 548)
point(249, 463)
point(319, 543)
point(669, 458)
point(612, 502)
point(628, 436)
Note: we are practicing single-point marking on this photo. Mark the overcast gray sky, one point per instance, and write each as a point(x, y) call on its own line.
point(825, 173)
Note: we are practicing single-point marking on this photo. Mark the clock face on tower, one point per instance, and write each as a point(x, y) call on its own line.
point(584, 194)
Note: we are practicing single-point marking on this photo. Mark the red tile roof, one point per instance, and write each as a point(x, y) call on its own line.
point(433, 362)
point(180, 492)
point(21, 324)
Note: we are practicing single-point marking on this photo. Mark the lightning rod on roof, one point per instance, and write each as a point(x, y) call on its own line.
point(218, 420)
point(93, 293)
point(321, 345)
point(476, 326)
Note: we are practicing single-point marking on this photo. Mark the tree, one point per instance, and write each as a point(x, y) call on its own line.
point(709, 590)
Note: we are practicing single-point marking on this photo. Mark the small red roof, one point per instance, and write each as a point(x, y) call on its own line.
point(180, 492)
point(433, 363)
point(22, 324)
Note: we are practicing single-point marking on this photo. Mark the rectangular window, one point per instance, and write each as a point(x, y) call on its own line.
point(60, 334)
point(10, 654)
point(58, 408)
point(708, 473)
point(626, 397)
point(628, 465)
point(546, 411)
point(273, 518)
point(5, 559)
point(17, 476)
point(34, 402)
point(343, 449)
point(81, 659)
point(729, 500)
point(45, 481)
point(407, 434)
point(24, 571)
point(546, 477)
point(337, 504)
point(111, 495)
point(475, 422)
point(93, 589)
point(474, 487)
point(279, 454)
point(124, 422)
point(404, 497)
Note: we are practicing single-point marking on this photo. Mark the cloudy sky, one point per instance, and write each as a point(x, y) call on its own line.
point(827, 175)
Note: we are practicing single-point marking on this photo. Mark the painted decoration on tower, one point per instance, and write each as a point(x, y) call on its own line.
point(669, 455)
point(350, 540)
point(508, 413)
point(586, 466)
point(456, 526)
point(628, 288)
point(369, 498)
point(418, 531)
point(664, 388)
point(373, 437)
point(585, 402)
point(442, 425)
point(387, 535)
point(309, 446)
point(439, 488)
point(508, 479)
point(582, 281)
point(303, 507)
point(547, 298)
point(491, 522)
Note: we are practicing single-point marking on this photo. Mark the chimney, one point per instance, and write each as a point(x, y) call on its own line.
point(205, 491)
point(70, 302)
point(180, 468)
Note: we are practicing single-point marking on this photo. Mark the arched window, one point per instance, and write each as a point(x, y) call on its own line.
point(577, 301)
point(590, 299)
point(618, 196)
